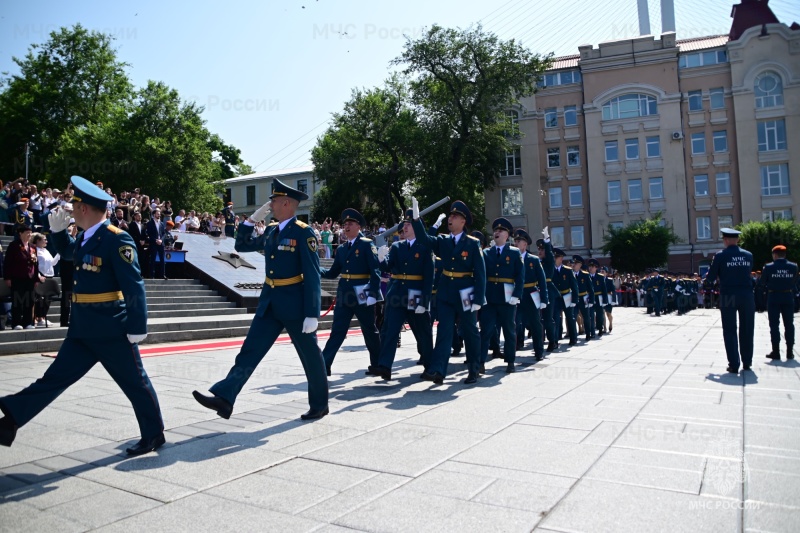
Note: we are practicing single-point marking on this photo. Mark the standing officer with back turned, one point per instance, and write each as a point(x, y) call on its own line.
point(779, 278)
point(109, 320)
point(732, 266)
point(290, 298)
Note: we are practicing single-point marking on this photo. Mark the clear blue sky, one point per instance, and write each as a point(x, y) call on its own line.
point(270, 73)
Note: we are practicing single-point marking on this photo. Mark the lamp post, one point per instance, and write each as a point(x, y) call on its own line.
point(691, 258)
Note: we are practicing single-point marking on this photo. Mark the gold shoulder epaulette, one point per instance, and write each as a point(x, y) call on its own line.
point(114, 229)
point(273, 224)
point(366, 239)
point(301, 223)
point(584, 271)
point(474, 238)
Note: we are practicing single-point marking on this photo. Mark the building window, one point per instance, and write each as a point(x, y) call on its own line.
point(251, 195)
point(557, 237)
point(695, 100)
point(573, 156)
point(576, 236)
point(653, 146)
point(562, 78)
point(771, 135)
point(614, 192)
point(513, 161)
point(724, 221)
point(701, 59)
point(616, 225)
point(575, 196)
point(780, 214)
point(775, 180)
point(555, 198)
point(631, 148)
point(723, 183)
point(768, 90)
point(512, 123)
point(698, 143)
point(570, 115)
point(635, 190)
point(227, 197)
point(656, 188)
point(701, 185)
point(630, 106)
point(721, 141)
point(717, 97)
point(302, 186)
point(512, 201)
point(553, 157)
point(612, 151)
point(551, 117)
point(703, 228)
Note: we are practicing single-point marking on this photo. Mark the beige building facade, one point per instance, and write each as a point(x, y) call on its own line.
point(251, 191)
point(705, 131)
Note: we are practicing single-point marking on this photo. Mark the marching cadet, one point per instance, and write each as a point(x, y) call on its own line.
point(586, 296)
point(504, 281)
point(407, 298)
point(780, 278)
point(359, 289)
point(564, 281)
point(601, 296)
point(290, 299)
point(462, 289)
point(545, 252)
point(535, 283)
point(612, 300)
point(109, 320)
point(732, 267)
point(230, 219)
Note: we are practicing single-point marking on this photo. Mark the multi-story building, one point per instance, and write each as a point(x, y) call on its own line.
point(705, 131)
point(250, 192)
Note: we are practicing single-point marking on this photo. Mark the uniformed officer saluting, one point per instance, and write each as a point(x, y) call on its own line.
point(359, 289)
point(461, 291)
point(732, 266)
point(109, 319)
point(779, 278)
point(290, 298)
point(504, 280)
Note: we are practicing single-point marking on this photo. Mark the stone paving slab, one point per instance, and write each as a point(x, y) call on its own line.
point(641, 430)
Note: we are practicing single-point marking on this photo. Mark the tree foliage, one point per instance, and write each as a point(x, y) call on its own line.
point(639, 245)
point(441, 133)
point(760, 237)
point(73, 100)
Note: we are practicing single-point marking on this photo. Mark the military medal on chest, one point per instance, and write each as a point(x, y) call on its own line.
point(92, 263)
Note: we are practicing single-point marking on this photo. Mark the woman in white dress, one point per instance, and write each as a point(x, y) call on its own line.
point(46, 264)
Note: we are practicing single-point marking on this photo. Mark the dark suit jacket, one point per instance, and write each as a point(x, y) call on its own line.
point(156, 231)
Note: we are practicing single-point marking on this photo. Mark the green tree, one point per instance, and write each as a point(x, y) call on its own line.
point(639, 245)
point(760, 237)
point(463, 81)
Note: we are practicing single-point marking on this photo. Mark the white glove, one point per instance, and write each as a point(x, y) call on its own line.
point(546, 233)
point(513, 300)
point(59, 220)
point(476, 307)
point(572, 305)
point(420, 309)
point(589, 306)
point(439, 221)
point(383, 251)
point(262, 212)
point(136, 339)
point(310, 325)
point(543, 305)
point(414, 208)
point(371, 300)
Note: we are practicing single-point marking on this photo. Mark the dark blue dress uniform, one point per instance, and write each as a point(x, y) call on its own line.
point(528, 313)
point(411, 269)
point(732, 267)
point(564, 281)
point(108, 303)
point(780, 278)
point(462, 268)
point(290, 294)
point(611, 290)
point(503, 267)
point(357, 264)
point(585, 291)
point(602, 298)
point(230, 220)
point(553, 296)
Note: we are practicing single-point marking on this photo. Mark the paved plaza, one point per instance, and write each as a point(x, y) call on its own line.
point(639, 431)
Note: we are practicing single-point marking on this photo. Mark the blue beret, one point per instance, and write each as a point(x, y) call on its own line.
point(281, 189)
point(88, 193)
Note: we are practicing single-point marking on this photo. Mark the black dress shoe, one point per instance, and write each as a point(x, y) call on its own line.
point(314, 415)
point(588, 338)
point(426, 377)
point(215, 403)
point(732, 370)
point(746, 367)
point(774, 355)
point(146, 446)
point(482, 369)
point(438, 378)
point(573, 343)
point(510, 368)
point(8, 431)
point(551, 347)
point(419, 362)
point(381, 371)
point(471, 378)
point(539, 358)
point(328, 371)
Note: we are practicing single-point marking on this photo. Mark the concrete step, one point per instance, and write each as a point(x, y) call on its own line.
point(179, 300)
point(166, 306)
point(55, 314)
